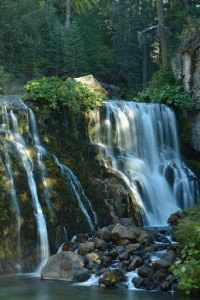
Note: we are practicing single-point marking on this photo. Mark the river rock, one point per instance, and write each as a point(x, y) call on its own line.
point(160, 275)
point(161, 264)
point(146, 272)
point(148, 284)
point(67, 266)
point(137, 281)
point(136, 263)
point(111, 277)
point(100, 244)
point(173, 218)
point(132, 247)
point(104, 233)
point(170, 256)
point(86, 247)
point(121, 232)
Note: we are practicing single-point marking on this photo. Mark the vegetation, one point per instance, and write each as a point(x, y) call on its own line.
point(163, 89)
point(54, 93)
point(187, 267)
point(119, 41)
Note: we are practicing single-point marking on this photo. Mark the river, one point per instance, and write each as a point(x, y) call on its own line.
point(27, 287)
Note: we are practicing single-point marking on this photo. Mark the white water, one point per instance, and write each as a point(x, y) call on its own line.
point(13, 137)
point(139, 141)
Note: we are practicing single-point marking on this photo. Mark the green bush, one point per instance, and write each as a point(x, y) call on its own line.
point(172, 95)
point(187, 268)
point(54, 93)
point(162, 89)
point(3, 77)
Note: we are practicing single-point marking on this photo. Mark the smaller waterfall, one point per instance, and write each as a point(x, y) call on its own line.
point(41, 152)
point(79, 193)
point(139, 142)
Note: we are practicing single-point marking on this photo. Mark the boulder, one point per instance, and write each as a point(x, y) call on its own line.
point(121, 232)
point(67, 266)
point(132, 247)
point(86, 247)
point(92, 84)
point(146, 272)
point(112, 277)
point(137, 281)
point(104, 233)
point(100, 244)
point(173, 218)
point(161, 264)
point(135, 263)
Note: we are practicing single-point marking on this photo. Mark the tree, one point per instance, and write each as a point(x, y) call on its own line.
point(162, 34)
point(79, 6)
point(75, 60)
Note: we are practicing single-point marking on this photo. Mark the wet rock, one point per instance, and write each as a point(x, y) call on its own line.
point(148, 284)
point(166, 286)
point(104, 233)
point(67, 266)
point(112, 277)
point(100, 244)
point(160, 275)
point(85, 248)
point(132, 247)
point(173, 219)
point(92, 259)
point(146, 272)
point(69, 246)
point(160, 264)
point(124, 256)
point(146, 238)
point(121, 232)
point(138, 282)
point(163, 239)
point(136, 263)
point(170, 256)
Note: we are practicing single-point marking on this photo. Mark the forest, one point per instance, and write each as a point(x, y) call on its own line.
point(122, 42)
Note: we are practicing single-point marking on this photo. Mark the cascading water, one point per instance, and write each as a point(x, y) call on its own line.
point(22, 155)
point(139, 141)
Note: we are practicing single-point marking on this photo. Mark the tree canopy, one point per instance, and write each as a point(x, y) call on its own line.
point(122, 42)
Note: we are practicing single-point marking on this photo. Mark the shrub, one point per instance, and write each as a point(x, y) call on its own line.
point(54, 93)
point(162, 89)
point(187, 268)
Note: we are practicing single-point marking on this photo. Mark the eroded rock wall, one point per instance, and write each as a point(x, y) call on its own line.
point(186, 68)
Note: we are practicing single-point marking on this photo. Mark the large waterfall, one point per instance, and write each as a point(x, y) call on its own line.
point(139, 142)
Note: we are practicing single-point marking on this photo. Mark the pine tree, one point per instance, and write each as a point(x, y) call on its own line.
point(75, 57)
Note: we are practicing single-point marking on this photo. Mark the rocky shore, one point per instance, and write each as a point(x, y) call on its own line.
point(120, 255)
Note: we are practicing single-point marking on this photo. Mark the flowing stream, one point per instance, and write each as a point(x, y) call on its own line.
point(139, 142)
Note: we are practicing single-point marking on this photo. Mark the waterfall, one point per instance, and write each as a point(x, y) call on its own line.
point(22, 154)
point(28, 166)
point(139, 142)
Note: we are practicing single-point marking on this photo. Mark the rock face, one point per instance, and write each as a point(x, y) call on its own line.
point(186, 69)
point(67, 266)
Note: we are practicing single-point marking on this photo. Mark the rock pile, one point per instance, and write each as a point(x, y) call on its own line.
point(115, 252)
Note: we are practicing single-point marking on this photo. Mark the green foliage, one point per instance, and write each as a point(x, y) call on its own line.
point(172, 95)
point(54, 93)
point(162, 89)
point(187, 269)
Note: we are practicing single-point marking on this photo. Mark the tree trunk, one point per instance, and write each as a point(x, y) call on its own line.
point(68, 14)
point(162, 35)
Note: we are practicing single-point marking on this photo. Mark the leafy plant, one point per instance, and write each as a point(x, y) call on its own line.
point(172, 95)
point(56, 94)
point(187, 268)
